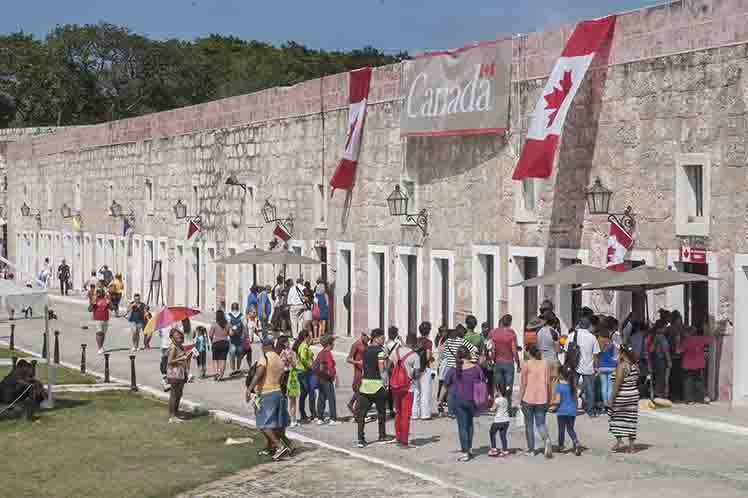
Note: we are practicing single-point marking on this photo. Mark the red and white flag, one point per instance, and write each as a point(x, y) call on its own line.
point(619, 242)
point(358, 93)
point(192, 228)
point(547, 120)
point(281, 232)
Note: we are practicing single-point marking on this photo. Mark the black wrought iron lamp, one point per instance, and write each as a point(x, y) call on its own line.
point(26, 212)
point(180, 212)
point(66, 212)
point(598, 203)
point(397, 202)
point(116, 211)
point(270, 215)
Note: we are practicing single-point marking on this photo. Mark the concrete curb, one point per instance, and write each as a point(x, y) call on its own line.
point(700, 423)
point(90, 388)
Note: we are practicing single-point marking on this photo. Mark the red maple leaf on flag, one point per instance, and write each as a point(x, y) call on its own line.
point(557, 96)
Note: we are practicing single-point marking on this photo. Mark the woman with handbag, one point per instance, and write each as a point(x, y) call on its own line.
point(177, 364)
point(293, 389)
point(467, 386)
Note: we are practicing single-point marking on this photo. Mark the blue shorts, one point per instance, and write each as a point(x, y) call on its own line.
point(272, 412)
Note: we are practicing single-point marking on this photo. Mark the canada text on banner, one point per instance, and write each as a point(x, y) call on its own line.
point(459, 92)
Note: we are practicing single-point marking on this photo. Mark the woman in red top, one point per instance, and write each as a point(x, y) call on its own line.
point(693, 364)
point(324, 367)
point(101, 316)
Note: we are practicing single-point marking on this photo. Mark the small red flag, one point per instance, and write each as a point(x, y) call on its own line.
point(619, 242)
point(192, 228)
point(281, 232)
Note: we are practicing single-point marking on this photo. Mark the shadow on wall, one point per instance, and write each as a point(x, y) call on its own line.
point(430, 159)
point(460, 182)
point(576, 155)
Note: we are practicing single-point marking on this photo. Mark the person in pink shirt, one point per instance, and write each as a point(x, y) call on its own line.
point(536, 394)
point(693, 363)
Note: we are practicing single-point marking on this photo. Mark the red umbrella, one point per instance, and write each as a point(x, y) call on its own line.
point(168, 316)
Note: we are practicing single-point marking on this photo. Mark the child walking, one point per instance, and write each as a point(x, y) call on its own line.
point(201, 346)
point(500, 424)
point(565, 399)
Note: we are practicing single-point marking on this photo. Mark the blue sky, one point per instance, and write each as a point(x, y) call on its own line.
point(391, 25)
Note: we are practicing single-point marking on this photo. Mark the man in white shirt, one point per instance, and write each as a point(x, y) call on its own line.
point(296, 305)
point(589, 349)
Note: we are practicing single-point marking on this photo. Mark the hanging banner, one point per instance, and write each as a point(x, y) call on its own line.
point(547, 120)
point(459, 92)
point(358, 92)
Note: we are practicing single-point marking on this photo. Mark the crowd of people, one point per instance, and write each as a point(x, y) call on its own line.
point(597, 367)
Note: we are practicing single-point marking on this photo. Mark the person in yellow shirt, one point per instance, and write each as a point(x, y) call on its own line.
point(116, 286)
point(270, 402)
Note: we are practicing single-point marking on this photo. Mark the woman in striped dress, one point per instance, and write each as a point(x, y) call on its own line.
point(624, 401)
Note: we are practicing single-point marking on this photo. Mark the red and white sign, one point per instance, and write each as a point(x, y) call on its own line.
point(690, 255)
point(457, 92)
point(358, 93)
point(619, 242)
point(547, 120)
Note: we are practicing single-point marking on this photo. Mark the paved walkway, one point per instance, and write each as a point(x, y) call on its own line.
point(675, 459)
point(321, 473)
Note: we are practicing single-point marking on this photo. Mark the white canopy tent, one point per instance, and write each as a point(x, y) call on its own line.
point(16, 296)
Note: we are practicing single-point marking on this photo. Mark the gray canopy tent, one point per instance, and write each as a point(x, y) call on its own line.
point(576, 274)
point(645, 278)
point(257, 256)
point(16, 296)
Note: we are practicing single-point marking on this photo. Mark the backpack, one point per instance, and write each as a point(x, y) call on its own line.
point(399, 378)
point(283, 381)
point(573, 352)
point(423, 358)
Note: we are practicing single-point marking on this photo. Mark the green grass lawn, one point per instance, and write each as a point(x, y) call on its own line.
point(62, 375)
point(117, 444)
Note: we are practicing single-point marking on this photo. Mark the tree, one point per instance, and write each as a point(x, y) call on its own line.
point(94, 73)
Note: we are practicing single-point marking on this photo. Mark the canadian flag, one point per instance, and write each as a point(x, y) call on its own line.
point(619, 242)
point(358, 93)
point(192, 228)
point(281, 232)
point(547, 120)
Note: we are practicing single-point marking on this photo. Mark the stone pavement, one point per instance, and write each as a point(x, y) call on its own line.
point(320, 473)
point(675, 459)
